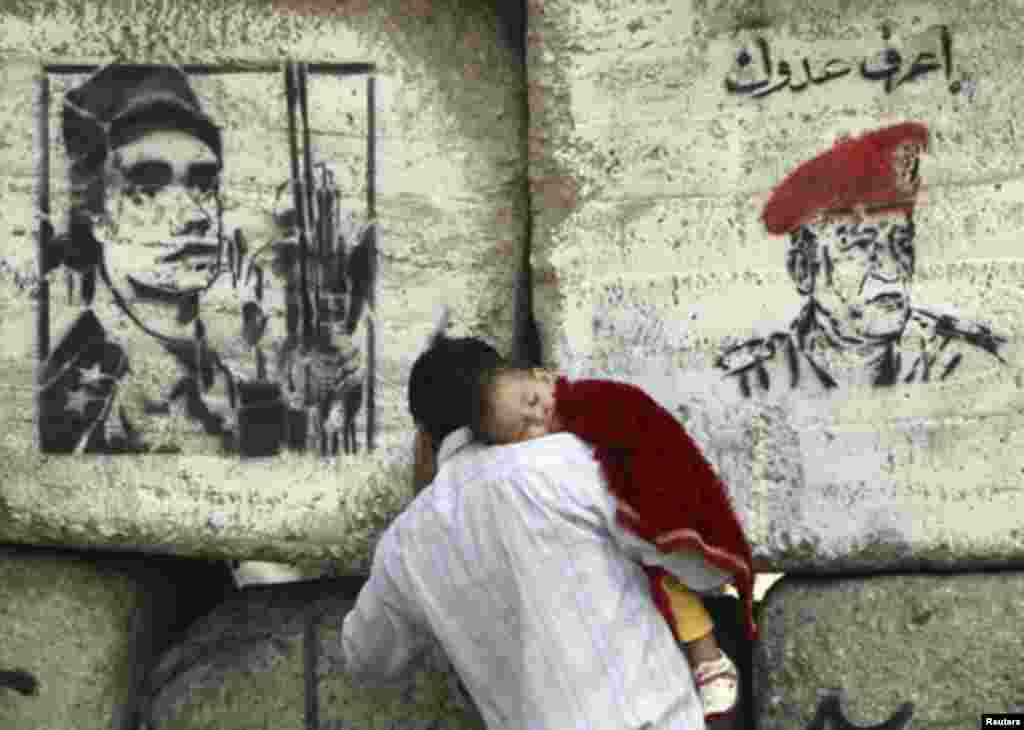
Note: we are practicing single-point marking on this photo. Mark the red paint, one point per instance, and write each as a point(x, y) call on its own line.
point(535, 97)
point(865, 172)
point(556, 191)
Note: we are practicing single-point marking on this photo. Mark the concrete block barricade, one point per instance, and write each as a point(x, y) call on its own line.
point(429, 152)
point(854, 435)
point(86, 628)
point(881, 433)
point(272, 656)
point(436, 164)
point(907, 650)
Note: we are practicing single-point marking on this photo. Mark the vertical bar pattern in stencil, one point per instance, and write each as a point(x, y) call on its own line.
point(43, 211)
point(371, 302)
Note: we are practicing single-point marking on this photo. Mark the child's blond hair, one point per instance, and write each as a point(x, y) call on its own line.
point(483, 421)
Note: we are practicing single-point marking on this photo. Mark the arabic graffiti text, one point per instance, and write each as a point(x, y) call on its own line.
point(763, 76)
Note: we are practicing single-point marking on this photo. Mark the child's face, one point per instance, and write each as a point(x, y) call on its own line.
point(523, 405)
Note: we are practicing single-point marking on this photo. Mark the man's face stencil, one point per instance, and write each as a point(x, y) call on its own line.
point(160, 186)
point(866, 271)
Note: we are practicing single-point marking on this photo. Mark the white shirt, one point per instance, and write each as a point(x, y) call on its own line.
point(508, 559)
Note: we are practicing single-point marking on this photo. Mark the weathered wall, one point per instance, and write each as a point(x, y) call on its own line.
point(273, 656)
point(86, 627)
point(649, 178)
point(450, 200)
point(913, 650)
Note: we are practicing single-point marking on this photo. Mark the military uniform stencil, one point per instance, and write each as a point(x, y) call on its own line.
point(933, 347)
point(848, 214)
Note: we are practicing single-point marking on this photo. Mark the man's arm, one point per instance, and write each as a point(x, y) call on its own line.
point(382, 635)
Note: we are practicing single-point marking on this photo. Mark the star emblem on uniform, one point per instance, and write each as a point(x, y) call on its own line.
point(78, 401)
point(94, 377)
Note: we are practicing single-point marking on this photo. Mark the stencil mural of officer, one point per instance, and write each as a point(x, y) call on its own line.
point(848, 215)
point(144, 166)
point(147, 223)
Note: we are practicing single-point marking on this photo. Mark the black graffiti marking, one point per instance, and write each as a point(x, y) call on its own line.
point(888, 368)
point(945, 334)
point(948, 327)
point(951, 366)
point(311, 679)
point(793, 362)
point(886, 66)
point(20, 681)
point(760, 351)
point(330, 272)
point(829, 716)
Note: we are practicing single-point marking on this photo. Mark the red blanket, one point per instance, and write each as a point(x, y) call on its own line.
point(668, 493)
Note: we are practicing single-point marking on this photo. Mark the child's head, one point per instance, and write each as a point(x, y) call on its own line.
point(515, 404)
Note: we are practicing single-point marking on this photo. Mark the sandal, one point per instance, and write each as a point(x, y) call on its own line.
point(718, 684)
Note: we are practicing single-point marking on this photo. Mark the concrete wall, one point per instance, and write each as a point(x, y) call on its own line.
point(649, 178)
point(451, 206)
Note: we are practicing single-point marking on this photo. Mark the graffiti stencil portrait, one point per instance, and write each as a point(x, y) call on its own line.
point(219, 291)
point(848, 214)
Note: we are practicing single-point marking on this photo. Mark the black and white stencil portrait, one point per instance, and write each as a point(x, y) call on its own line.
point(217, 292)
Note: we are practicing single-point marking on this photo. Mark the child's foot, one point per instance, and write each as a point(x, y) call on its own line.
point(718, 684)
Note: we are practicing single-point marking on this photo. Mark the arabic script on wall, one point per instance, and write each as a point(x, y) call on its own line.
point(758, 74)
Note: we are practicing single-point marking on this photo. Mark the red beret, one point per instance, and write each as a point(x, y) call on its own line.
point(875, 170)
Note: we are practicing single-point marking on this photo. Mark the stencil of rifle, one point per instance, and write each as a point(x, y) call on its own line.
point(332, 287)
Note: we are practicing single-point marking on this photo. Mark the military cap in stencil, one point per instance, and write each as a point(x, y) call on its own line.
point(120, 101)
point(877, 170)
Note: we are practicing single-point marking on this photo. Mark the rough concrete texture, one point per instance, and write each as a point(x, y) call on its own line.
point(949, 644)
point(648, 179)
point(292, 509)
point(81, 627)
point(245, 666)
point(451, 203)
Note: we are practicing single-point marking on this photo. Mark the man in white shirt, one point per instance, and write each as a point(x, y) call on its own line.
point(511, 560)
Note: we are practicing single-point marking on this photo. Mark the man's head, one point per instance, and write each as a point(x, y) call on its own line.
point(145, 161)
point(858, 271)
point(848, 214)
point(444, 384)
point(122, 103)
point(515, 404)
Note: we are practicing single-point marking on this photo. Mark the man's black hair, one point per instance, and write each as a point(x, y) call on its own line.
point(444, 384)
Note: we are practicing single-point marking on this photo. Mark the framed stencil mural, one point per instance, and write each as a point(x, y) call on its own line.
point(216, 232)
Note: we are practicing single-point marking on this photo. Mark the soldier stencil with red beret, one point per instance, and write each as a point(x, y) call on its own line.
point(848, 215)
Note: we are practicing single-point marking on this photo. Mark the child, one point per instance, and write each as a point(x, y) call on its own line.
point(668, 494)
